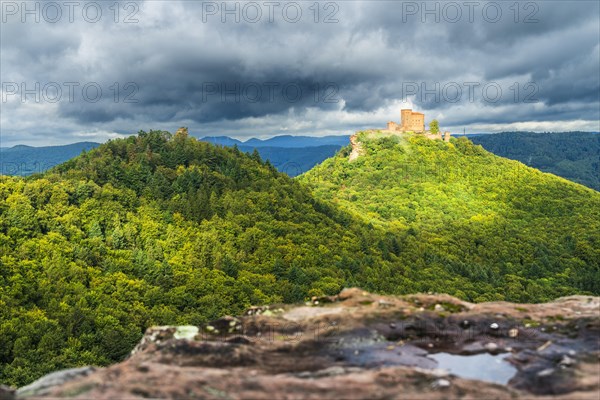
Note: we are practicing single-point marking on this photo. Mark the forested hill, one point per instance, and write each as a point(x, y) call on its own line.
point(487, 224)
point(159, 229)
point(572, 155)
point(163, 229)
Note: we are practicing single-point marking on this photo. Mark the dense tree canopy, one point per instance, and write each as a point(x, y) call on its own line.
point(467, 222)
point(157, 229)
point(162, 229)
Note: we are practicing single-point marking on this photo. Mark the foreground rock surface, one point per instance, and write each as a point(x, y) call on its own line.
point(359, 345)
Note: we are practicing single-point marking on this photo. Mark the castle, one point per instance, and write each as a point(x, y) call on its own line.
point(411, 121)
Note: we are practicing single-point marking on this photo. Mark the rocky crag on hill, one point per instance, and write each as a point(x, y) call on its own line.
point(358, 345)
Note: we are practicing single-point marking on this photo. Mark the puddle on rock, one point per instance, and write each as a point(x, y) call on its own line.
point(365, 349)
point(483, 367)
point(380, 354)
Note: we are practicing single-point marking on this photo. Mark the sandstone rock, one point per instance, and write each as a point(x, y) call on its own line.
point(7, 393)
point(46, 384)
point(567, 361)
point(491, 347)
point(441, 383)
point(351, 347)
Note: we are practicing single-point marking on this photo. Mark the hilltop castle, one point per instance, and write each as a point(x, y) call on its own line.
point(411, 121)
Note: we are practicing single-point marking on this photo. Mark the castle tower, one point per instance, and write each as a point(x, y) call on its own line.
point(404, 118)
point(418, 122)
point(412, 121)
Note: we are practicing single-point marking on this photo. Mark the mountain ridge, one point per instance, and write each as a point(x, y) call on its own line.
point(572, 155)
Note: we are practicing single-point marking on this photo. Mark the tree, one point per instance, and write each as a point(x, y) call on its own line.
point(256, 156)
point(434, 126)
point(181, 134)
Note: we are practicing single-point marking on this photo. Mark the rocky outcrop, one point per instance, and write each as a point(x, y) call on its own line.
point(6, 393)
point(358, 345)
point(357, 149)
point(44, 385)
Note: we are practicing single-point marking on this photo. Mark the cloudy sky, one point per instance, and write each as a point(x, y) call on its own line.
point(90, 71)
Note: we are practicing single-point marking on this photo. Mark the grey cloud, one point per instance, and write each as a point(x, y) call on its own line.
point(363, 63)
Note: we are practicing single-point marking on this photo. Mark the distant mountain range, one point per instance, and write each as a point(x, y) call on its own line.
point(285, 141)
point(571, 155)
point(294, 160)
point(293, 155)
point(26, 160)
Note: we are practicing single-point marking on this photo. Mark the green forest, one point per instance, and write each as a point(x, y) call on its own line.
point(467, 222)
point(163, 229)
point(572, 155)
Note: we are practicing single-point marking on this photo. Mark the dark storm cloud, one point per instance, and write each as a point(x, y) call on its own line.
point(179, 64)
